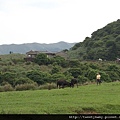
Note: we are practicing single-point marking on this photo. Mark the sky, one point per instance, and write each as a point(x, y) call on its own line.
point(51, 21)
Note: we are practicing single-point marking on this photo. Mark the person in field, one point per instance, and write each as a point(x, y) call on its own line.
point(98, 80)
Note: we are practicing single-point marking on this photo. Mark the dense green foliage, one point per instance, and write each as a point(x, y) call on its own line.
point(15, 73)
point(89, 99)
point(104, 43)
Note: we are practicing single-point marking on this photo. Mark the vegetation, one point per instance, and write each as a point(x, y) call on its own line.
point(16, 74)
point(89, 99)
point(104, 43)
point(43, 72)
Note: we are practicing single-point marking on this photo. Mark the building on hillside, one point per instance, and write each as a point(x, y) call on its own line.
point(63, 54)
point(32, 54)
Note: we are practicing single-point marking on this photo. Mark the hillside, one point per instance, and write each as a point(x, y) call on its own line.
point(103, 43)
point(23, 48)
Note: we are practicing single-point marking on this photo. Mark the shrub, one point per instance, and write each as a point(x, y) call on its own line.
point(105, 77)
point(82, 79)
point(23, 80)
point(113, 75)
point(55, 69)
point(48, 86)
point(1, 89)
point(75, 72)
point(38, 76)
point(6, 88)
point(8, 77)
point(74, 63)
point(41, 59)
point(57, 76)
point(93, 66)
point(26, 86)
point(91, 74)
point(28, 63)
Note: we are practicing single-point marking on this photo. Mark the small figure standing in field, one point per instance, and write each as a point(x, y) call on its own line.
point(98, 79)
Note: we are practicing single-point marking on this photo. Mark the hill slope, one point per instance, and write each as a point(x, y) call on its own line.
point(23, 48)
point(104, 43)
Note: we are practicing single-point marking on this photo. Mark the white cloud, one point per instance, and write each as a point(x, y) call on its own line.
point(49, 21)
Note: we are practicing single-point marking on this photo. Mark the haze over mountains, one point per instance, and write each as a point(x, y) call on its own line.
point(23, 48)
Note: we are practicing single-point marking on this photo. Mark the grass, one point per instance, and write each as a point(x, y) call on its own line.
point(94, 99)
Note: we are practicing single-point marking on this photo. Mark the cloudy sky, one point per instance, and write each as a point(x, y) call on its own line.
point(50, 21)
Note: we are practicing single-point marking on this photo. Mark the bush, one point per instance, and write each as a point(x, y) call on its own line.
point(1, 89)
point(57, 76)
point(26, 86)
point(48, 86)
point(55, 69)
point(6, 88)
point(74, 63)
point(41, 59)
point(113, 76)
point(93, 66)
point(38, 76)
point(23, 80)
point(91, 74)
point(105, 77)
point(75, 72)
point(82, 79)
point(8, 77)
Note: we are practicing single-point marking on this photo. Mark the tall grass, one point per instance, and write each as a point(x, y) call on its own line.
point(84, 99)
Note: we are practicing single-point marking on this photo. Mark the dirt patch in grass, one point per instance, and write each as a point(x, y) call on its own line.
point(88, 110)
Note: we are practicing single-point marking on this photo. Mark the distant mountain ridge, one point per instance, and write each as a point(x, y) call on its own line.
point(23, 48)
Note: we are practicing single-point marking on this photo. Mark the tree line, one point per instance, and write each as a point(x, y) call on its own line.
point(57, 68)
point(104, 43)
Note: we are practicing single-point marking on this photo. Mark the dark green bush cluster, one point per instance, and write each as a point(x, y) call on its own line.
point(42, 59)
point(24, 76)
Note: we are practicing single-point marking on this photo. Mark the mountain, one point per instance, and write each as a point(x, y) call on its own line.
point(103, 43)
point(23, 48)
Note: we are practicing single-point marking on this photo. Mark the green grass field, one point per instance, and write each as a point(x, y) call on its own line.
point(87, 99)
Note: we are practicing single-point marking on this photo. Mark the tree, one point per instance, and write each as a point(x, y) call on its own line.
point(41, 59)
point(8, 77)
point(82, 79)
point(113, 76)
point(111, 50)
point(59, 60)
point(91, 74)
point(55, 69)
point(75, 72)
point(104, 43)
point(105, 76)
point(22, 80)
point(57, 76)
point(38, 77)
point(74, 63)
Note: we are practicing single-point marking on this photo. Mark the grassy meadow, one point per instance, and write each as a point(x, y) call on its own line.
point(103, 99)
